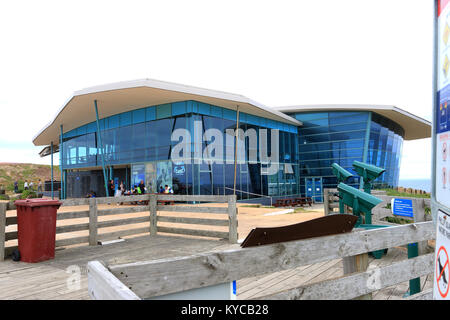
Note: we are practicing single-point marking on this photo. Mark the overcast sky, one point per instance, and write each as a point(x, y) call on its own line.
point(275, 52)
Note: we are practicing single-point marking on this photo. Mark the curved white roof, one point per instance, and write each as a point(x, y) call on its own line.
point(414, 126)
point(125, 96)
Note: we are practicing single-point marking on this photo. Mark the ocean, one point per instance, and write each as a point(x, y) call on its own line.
point(421, 184)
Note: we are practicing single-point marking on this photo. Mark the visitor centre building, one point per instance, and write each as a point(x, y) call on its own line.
point(201, 141)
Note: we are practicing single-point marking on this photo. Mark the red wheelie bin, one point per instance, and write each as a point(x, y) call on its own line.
point(36, 228)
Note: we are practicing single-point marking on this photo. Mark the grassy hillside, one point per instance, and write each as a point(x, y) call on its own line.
point(10, 172)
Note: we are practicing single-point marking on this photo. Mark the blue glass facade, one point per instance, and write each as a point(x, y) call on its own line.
point(137, 146)
point(385, 149)
point(343, 137)
point(141, 140)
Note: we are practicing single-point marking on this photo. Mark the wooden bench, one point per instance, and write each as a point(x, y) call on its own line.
point(303, 201)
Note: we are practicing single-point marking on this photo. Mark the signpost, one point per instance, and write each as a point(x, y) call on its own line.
point(440, 193)
point(442, 265)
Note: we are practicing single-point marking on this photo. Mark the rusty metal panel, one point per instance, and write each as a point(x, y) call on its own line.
point(324, 226)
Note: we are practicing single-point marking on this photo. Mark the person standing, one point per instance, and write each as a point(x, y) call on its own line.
point(39, 189)
point(16, 187)
point(25, 185)
point(112, 188)
point(142, 186)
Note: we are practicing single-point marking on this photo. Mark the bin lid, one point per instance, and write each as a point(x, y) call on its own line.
point(37, 202)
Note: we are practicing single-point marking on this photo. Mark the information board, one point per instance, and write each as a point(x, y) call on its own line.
point(402, 207)
point(442, 114)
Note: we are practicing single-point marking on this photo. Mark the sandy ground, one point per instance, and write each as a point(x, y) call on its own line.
point(249, 217)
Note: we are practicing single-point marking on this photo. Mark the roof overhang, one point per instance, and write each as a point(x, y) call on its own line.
point(414, 126)
point(130, 95)
point(48, 151)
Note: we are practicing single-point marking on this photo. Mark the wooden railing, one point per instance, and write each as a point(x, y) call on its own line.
point(331, 202)
point(144, 280)
point(147, 203)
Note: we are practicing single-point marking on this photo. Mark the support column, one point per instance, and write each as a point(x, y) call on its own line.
point(236, 149)
point(61, 161)
point(366, 146)
point(51, 182)
point(99, 144)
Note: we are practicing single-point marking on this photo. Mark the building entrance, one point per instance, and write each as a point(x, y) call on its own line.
point(314, 188)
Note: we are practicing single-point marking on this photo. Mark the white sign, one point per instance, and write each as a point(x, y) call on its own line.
point(442, 264)
point(442, 107)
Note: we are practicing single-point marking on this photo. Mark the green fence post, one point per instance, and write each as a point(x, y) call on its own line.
point(414, 284)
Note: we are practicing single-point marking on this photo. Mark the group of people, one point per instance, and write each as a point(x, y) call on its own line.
point(28, 186)
point(136, 189)
point(166, 189)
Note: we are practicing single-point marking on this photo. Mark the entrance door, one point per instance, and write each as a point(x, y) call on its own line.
point(314, 188)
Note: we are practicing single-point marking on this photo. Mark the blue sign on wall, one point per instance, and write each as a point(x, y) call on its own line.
point(402, 207)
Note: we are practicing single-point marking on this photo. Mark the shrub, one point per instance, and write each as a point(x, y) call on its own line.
point(4, 197)
point(28, 194)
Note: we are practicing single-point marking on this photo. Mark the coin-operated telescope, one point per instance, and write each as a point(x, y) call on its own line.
point(340, 172)
point(368, 172)
point(362, 203)
point(341, 175)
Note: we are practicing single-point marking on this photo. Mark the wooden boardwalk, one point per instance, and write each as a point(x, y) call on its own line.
point(53, 279)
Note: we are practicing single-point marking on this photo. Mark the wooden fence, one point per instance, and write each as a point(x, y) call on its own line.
point(331, 204)
point(160, 277)
point(148, 203)
point(383, 210)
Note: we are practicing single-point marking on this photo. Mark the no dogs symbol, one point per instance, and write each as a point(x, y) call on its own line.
point(442, 272)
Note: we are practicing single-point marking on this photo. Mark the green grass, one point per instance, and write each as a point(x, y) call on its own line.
point(397, 220)
point(395, 193)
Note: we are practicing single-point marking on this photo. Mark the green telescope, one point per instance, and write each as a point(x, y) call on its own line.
point(341, 175)
point(340, 172)
point(361, 202)
point(368, 172)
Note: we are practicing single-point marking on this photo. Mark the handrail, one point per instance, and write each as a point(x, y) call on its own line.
point(241, 191)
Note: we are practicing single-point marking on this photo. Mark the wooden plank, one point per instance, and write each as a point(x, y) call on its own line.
point(121, 222)
point(218, 267)
point(103, 285)
point(93, 222)
point(424, 295)
point(71, 241)
point(153, 215)
point(125, 210)
point(72, 215)
point(122, 233)
point(193, 232)
point(360, 284)
point(193, 209)
point(2, 230)
point(211, 222)
point(358, 263)
point(326, 201)
point(187, 198)
point(125, 199)
point(232, 219)
point(72, 228)
point(75, 202)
